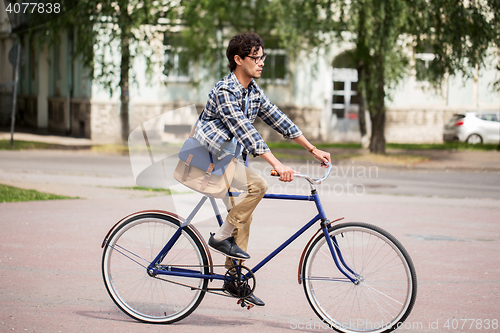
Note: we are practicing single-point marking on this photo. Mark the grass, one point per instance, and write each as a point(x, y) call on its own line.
point(111, 148)
point(293, 145)
point(23, 145)
point(274, 145)
point(166, 191)
point(442, 146)
point(397, 159)
point(402, 146)
point(15, 194)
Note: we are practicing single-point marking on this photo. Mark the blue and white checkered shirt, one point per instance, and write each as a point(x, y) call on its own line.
point(223, 118)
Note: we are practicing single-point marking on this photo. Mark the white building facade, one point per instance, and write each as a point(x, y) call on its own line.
point(56, 94)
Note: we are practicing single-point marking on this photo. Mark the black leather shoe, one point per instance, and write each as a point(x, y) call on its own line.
point(252, 299)
point(228, 247)
point(230, 288)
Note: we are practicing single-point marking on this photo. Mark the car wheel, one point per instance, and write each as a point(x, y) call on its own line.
point(474, 139)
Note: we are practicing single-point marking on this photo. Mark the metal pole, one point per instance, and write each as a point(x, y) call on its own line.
point(14, 103)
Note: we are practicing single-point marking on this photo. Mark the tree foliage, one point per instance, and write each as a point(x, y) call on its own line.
point(110, 30)
point(289, 24)
point(386, 35)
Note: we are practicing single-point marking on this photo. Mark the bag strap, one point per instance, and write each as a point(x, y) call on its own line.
point(239, 147)
point(186, 167)
point(208, 173)
point(194, 126)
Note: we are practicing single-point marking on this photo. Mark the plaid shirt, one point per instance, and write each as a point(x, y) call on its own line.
point(223, 118)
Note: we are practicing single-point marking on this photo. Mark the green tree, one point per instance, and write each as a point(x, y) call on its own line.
point(386, 33)
point(109, 30)
point(294, 25)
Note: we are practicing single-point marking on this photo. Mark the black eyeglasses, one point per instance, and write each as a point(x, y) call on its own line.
point(257, 59)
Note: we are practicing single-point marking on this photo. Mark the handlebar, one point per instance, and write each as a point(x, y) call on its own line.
point(315, 181)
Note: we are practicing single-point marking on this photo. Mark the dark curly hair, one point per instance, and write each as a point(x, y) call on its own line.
point(242, 45)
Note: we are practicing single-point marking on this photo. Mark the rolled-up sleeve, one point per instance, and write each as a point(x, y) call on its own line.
point(279, 121)
point(234, 119)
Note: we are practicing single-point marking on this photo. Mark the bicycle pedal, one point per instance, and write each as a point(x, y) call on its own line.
point(243, 304)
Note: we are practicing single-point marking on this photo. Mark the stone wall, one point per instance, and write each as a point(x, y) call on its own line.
point(416, 126)
point(81, 118)
point(141, 113)
point(58, 115)
point(105, 124)
point(6, 101)
point(309, 120)
point(402, 125)
point(27, 110)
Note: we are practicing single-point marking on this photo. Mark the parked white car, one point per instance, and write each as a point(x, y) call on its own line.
point(473, 127)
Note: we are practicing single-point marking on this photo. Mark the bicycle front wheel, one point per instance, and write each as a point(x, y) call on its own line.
point(153, 299)
point(386, 283)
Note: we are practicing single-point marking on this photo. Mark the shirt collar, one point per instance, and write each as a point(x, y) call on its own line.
point(239, 85)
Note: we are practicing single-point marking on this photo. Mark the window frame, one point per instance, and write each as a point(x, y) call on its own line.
point(271, 57)
point(426, 58)
point(173, 75)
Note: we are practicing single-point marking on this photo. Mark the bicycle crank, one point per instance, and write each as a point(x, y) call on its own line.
point(239, 282)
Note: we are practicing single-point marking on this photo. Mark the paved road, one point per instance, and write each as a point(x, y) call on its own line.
point(74, 172)
point(50, 251)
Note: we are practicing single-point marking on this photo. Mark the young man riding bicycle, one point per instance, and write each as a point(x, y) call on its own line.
point(232, 107)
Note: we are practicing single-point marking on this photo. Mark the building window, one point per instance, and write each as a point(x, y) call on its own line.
point(276, 67)
point(177, 66)
point(422, 61)
point(56, 67)
point(345, 103)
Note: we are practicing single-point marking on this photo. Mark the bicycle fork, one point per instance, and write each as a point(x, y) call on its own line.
point(337, 255)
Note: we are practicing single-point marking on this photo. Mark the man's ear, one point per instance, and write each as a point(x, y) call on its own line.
point(238, 60)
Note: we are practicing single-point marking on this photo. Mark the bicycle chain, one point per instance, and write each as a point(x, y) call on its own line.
point(194, 288)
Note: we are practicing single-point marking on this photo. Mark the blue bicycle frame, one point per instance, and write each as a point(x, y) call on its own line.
point(332, 243)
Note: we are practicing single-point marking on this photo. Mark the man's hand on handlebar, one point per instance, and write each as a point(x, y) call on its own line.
point(286, 173)
point(322, 156)
point(317, 181)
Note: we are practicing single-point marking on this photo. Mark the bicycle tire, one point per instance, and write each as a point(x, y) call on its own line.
point(127, 254)
point(387, 288)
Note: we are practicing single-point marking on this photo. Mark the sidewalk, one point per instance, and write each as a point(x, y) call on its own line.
point(452, 160)
point(69, 142)
point(447, 160)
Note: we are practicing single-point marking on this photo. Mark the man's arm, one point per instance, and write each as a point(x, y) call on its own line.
point(286, 173)
point(320, 155)
point(277, 119)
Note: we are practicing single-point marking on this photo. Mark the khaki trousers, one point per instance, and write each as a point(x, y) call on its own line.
point(252, 188)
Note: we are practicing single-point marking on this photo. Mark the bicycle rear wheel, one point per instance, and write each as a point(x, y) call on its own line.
point(387, 283)
point(127, 254)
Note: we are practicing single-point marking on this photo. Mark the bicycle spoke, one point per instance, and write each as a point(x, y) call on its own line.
point(384, 289)
point(129, 252)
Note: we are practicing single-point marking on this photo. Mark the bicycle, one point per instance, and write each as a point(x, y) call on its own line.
point(356, 276)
